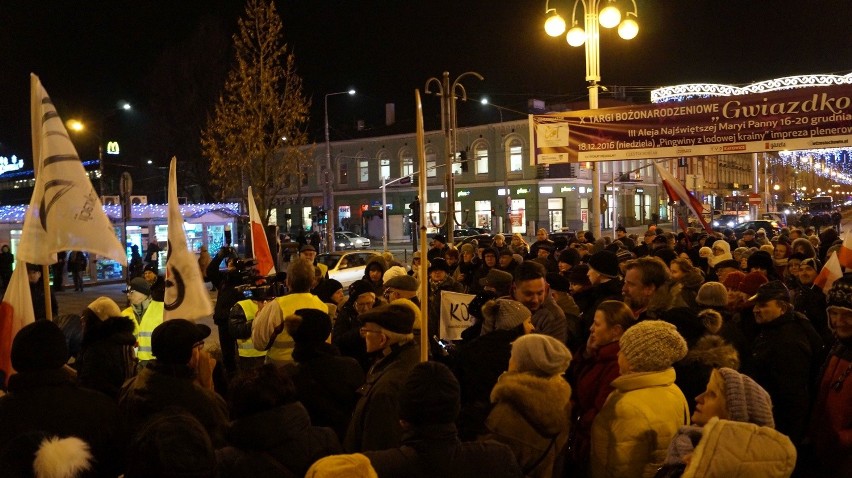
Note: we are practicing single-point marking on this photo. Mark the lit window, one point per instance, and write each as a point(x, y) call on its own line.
point(481, 161)
point(363, 170)
point(431, 171)
point(384, 168)
point(516, 157)
point(407, 166)
point(457, 165)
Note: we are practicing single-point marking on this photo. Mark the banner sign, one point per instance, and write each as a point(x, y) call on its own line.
point(803, 118)
point(454, 316)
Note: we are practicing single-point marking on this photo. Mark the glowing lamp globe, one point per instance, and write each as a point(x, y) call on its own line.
point(628, 29)
point(609, 17)
point(554, 26)
point(576, 36)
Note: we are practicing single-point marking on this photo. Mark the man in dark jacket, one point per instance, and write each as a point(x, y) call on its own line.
point(180, 377)
point(388, 331)
point(786, 355)
point(43, 397)
point(429, 405)
point(37, 293)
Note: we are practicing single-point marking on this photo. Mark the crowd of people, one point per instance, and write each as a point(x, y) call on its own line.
point(690, 354)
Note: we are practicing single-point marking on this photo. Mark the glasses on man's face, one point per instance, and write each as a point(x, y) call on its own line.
point(363, 305)
point(198, 345)
point(366, 330)
point(388, 292)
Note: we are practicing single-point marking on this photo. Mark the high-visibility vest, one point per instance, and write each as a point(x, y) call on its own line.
point(282, 349)
point(131, 314)
point(152, 317)
point(246, 347)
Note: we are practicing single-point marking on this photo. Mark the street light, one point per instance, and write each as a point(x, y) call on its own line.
point(329, 199)
point(608, 17)
point(447, 92)
point(78, 126)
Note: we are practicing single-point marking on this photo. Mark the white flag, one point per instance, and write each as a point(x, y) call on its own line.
point(265, 264)
point(186, 295)
point(64, 213)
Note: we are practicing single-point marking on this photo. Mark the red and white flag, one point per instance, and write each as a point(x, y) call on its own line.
point(678, 192)
point(845, 251)
point(263, 256)
point(830, 272)
point(186, 295)
point(65, 213)
point(16, 311)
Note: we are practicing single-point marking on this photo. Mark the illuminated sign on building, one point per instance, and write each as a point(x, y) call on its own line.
point(523, 190)
point(10, 164)
point(462, 194)
point(112, 147)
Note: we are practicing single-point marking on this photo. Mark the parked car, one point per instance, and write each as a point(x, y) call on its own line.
point(724, 221)
point(350, 240)
point(771, 227)
point(778, 217)
point(346, 266)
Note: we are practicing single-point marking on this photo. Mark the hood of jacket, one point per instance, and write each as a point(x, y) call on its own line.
point(542, 401)
point(739, 449)
point(712, 350)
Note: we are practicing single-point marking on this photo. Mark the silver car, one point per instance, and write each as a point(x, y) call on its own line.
point(346, 267)
point(350, 240)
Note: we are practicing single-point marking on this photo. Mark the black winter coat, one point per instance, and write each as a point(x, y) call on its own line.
point(785, 359)
point(326, 384)
point(275, 443)
point(435, 450)
point(48, 401)
point(107, 358)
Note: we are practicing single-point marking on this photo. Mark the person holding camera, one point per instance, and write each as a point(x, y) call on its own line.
point(226, 283)
point(240, 321)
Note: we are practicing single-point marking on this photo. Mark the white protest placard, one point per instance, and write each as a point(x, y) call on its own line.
point(454, 315)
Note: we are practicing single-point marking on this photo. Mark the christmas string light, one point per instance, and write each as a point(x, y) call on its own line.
point(15, 214)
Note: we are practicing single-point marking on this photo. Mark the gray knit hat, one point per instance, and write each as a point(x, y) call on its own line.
point(712, 294)
point(652, 346)
point(503, 314)
point(745, 399)
point(540, 354)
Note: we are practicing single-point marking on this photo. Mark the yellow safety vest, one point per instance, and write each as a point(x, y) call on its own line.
point(246, 347)
point(150, 320)
point(282, 349)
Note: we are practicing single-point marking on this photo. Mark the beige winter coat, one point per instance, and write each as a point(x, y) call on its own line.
point(741, 450)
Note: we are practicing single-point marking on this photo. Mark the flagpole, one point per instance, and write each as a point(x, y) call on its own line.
point(424, 269)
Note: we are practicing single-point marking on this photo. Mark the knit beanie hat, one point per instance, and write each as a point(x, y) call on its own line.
point(605, 263)
point(360, 287)
point(705, 252)
point(712, 294)
point(745, 399)
point(760, 259)
point(579, 275)
point(104, 308)
point(503, 314)
point(430, 395)
point(39, 346)
point(355, 465)
point(840, 294)
point(308, 325)
point(751, 282)
point(733, 280)
point(652, 346)
point(327, 288)
point(468, 249)
point(540, 354)
point(570, 256)
point(395, 271)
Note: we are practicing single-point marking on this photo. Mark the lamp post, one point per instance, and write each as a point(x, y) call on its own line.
point(595, 17)
point(447, 92)
point(77, 125)
point(329, 196)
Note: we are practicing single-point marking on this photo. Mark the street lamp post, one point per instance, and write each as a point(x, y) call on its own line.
point(329, 177)
point(447, 92)
point(595, 17)
point(78, 125)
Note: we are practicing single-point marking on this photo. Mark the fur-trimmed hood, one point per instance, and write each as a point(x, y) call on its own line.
point(712, 350)
point(541, 401)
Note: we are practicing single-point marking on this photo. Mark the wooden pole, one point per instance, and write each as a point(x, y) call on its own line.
point(424, 263)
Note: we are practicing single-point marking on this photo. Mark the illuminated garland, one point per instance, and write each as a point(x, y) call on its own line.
point(15, 214)
point(705, 90)
point(834, 163)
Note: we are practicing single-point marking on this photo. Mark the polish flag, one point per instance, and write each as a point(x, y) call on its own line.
point(678, 192)
point(265, 264)
point(16, 311)
point(845, 251)
point(830, 272)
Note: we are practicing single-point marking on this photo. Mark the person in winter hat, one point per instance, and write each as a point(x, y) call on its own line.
point(645, 411)
point(506, 314)
point(429, 404)
point(354, 465)
point(44, 455)
point(107, 357)
point(532, 405)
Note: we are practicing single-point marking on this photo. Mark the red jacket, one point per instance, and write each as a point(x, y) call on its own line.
point(593, 376)
point(831, 427)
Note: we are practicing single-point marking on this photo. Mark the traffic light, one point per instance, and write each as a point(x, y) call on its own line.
point(415, 211)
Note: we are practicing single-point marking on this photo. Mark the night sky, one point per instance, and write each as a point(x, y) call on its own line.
point(92, 54)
